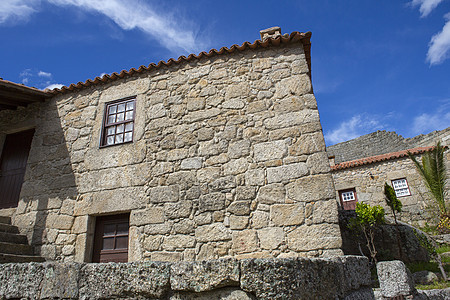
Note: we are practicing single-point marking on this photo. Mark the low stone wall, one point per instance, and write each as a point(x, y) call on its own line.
point(346, 277)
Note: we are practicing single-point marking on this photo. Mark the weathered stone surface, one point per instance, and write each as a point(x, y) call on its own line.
point(191, 163)
point(238, 222)
point(220, 294)
point(287, 214)
point(162, 194)
point(213, 232)
point(245, 241)
point(255, 177)
point(271, 237)
point(311, 188)
point(152, 215)
point(424, 277)
point(211, 202)
point(181, 209)
point(269, 150)
point(178, 242)
point(286, 172)
point(395, 279)
point(290, 278)
point(114, 280)
point(239, 208)
point(202, 276)
point(239, 149)
point(272, 193)
point(326, 236)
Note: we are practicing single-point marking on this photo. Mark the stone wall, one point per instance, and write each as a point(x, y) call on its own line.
point(382, 142)
point(368, 181)
point(291, 278)
point(228, 159)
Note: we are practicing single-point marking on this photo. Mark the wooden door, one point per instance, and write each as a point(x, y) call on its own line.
point(111, 239)
point(13, 164)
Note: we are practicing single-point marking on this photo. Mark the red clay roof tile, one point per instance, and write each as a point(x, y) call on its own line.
point(303, 37)
point(378, 158)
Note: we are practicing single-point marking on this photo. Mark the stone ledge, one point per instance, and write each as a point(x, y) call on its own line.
point(283, 278)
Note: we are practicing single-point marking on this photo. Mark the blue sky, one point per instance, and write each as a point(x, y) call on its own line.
point(376, 65)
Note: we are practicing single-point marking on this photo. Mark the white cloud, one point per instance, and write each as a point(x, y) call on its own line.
point(132, 14)
point(426, 6)
point(54, 86)
point(16, 10)
point(439, 49)
point(355, 127)
point(428, 122)
point(44, 74)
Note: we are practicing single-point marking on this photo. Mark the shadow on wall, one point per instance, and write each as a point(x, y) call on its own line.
point(48, 195)
point(391, 241)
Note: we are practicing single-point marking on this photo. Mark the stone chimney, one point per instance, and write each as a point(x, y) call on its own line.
point(331, 160)
point(271, 32)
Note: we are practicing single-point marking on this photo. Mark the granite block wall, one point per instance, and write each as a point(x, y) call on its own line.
point(228, 159)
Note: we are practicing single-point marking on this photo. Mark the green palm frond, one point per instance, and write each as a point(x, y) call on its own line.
point(434, 174)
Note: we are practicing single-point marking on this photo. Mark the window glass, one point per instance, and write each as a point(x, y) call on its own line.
point(119, 119)
point(401, 187)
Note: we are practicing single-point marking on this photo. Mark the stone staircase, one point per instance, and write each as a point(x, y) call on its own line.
point(14, 246)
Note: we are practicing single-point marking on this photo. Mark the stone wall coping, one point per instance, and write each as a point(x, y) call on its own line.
point(275, 278)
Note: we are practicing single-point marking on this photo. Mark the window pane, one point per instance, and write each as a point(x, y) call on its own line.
point(108, 243)
point(130, 105)
point(111, 119)
point(129, 126)
point(128, 136)
point(121, 107)
point(129, 115)
point(112, 109)
point(122, 228)
point(111, 130)
point(119, 138)
point(110, 229)
point(110, 140)
point(122, 242)
point(120, 128)
point(120, 117)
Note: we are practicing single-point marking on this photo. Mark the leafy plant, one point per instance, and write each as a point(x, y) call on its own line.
point(432, 170)
point(391, 200)
point(430, 245)
point(366, 220)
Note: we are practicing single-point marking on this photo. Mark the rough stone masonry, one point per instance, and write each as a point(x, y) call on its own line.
point(227, 160)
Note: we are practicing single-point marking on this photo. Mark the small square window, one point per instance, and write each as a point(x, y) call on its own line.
point(401, 187)
point(118, 122)
point(348, 199)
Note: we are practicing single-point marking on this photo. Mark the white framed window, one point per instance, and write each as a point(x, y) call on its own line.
point(348, 195)
point(401, 187)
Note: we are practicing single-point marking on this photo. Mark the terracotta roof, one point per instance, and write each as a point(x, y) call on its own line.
point(13, 95)
point(378, 158)
point(294, 37)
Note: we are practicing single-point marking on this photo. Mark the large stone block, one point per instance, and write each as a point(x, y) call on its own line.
point(213, 232)
point(287, 214)
point(202, 276)
point(181, 209)
point(245, 241)
point(272, 193)
point(271, 238)
point(162, 194)
point(211, 202)
point(286, 172)
point(311, 188)
point(395, 279)
point(270, 150)
point(115, 280)
point(150, 215)
point(315, 237)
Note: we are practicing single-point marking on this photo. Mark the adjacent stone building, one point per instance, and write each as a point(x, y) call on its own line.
point(216, 155)
point(361, 166)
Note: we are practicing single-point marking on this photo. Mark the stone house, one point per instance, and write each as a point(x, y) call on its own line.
point(360, 168)
point(214, 155)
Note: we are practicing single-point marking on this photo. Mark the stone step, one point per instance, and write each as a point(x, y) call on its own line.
point(8, 228)
point(11, 258)
point(13, 238)
point(5, 220)
point(18, 249)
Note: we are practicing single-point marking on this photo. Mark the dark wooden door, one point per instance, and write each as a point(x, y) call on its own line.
point(111, 239)
point(13, 164)
point(348, 199)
